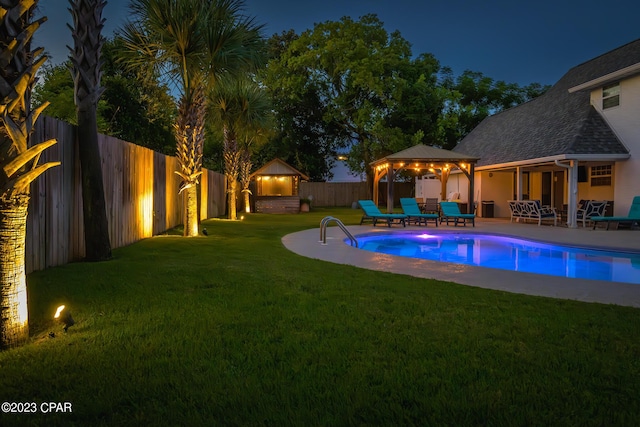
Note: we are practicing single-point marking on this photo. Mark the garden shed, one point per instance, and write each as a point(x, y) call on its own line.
point(276, 187)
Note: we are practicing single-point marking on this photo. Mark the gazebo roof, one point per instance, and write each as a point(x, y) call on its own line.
point(425, 153)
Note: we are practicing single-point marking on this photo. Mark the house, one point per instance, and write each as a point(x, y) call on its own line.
point(579, 140)
point(276, 188)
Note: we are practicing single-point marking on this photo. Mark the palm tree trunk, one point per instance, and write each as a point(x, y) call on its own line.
point(247, 201)
point(191, 213)
point(19, 159)
point(233, 206)
point(245, 177)
point(14, 322)
point(96, 226)
point(87, 65)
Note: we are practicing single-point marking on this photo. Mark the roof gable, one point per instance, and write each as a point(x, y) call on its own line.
point(427, 153)
point(556, 123)
point(278, 167)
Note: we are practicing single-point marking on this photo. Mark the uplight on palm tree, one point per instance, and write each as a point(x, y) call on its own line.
point(242, 108)
point(18, 159)
point(191, 43)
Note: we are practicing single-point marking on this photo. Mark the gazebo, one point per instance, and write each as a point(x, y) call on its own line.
point(421, 157)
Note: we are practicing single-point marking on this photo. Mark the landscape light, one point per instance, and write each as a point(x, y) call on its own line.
point(64, 316)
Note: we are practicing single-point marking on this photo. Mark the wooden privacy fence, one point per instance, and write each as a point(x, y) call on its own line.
point(141, 195)
point(334, 194)
point(330, 194)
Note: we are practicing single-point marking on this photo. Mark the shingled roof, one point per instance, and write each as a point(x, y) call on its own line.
point(555, 123)
point(425, 153)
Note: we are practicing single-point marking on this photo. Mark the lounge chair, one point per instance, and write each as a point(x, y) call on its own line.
point(633, 217)
point(373, 214)
point(450, 210)
point(589, 209)
point(412, 211)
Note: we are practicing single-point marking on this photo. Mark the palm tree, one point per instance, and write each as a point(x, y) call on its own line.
point(192, 43)
point(18, 160)
point(87, 71)
point(242, 108)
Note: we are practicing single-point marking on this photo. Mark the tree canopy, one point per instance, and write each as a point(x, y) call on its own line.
point(131, 108)
point(352, 87)
point(346, 87)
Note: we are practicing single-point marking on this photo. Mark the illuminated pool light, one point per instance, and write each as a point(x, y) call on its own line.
point(508, 253)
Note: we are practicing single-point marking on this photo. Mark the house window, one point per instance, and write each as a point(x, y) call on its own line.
point(600, 176)
point(611, 96)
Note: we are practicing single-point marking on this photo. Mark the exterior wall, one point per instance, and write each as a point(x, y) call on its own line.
point(587, 192)
point(535, 186)
point(623, 119)
point(496, 187)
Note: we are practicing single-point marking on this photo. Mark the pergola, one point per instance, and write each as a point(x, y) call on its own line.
point(421, 157)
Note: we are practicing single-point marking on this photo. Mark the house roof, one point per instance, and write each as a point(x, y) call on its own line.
point(278, 167)
point(556, 123)
point(425, 153)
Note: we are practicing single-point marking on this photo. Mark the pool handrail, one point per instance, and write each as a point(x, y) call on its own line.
point(323, 230)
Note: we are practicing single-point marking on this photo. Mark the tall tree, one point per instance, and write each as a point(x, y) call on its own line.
point(131, 108)
point(472, 96)
point(191, 42)
point(301, 136)
point(87, 71)
point(242, 108)
point(355, 75)
point(18, 160)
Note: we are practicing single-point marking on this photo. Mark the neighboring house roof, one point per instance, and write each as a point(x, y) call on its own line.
point(278, 167)
point(557, 122)
point(425, 153)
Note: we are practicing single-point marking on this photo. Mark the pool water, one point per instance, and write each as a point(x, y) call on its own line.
point(508, 253)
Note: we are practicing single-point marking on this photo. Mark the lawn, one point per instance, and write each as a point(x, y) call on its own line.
point(233, 329)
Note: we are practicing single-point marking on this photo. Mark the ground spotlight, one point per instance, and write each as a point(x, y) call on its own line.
point(63, 315)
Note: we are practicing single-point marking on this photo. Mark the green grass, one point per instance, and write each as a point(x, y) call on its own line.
point(233, 329)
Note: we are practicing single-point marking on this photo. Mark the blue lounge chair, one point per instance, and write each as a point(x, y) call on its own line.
point(450, 210)
point(372, 213)
point(412, 211)
point(633, 217)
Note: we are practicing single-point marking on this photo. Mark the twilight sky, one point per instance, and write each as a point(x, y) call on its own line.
point(512, 40)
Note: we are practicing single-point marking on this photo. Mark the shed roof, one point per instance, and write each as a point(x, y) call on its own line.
point(557, 122)
point(278, 167)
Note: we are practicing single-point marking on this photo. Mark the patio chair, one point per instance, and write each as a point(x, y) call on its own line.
point(591, 208)
point(373, 214)
point(450, 210)
point(431, 205)
point(633, 217)
point(412, 211)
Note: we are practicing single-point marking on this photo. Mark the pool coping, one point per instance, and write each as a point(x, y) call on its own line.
point(306, 243)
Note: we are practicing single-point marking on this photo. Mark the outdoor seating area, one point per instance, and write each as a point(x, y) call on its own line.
point(532, 210)
point(451, 211)
point(373, 214)
point(412, 210)
point(589, 209)
point(632, 218)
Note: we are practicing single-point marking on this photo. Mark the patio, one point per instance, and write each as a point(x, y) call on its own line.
point(306, 243)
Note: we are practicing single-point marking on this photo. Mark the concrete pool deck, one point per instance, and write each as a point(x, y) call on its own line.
point(306, 243)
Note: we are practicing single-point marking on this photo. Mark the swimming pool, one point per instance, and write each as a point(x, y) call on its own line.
point(508, 253)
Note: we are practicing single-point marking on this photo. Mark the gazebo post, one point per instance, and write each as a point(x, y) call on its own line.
point(471, 177)
point(390, 179)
